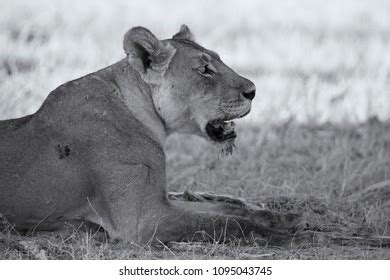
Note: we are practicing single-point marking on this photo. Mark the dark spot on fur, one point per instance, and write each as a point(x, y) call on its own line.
point(67, 150)
point(63, 151)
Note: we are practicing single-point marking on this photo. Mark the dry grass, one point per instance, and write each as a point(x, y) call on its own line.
point(312, 62)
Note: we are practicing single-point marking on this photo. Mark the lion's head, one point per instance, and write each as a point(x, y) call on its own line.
point(192, 89)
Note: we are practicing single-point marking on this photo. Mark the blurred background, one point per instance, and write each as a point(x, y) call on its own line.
point(311, 60)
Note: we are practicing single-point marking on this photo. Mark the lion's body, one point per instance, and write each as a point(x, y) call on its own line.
point(94, 151)
point(55, 163)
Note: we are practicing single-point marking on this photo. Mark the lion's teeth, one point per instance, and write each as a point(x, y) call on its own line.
point(228, 126)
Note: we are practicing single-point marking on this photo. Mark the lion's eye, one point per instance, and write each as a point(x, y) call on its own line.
point(206, 70)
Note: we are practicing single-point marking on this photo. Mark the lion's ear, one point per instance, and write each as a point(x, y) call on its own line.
point(184, 33)
point(140, 43)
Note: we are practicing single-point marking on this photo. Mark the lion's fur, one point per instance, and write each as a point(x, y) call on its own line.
point(94, 150)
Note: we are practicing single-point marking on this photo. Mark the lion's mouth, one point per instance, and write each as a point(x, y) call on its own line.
point(220, 130)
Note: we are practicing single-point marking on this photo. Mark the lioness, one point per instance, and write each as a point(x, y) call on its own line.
point(94, 150)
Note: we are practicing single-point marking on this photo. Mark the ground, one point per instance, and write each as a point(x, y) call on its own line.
point(318, 129)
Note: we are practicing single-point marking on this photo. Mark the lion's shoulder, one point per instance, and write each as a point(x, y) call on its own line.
point(91, 92)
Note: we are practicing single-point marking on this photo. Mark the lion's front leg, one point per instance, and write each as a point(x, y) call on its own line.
point(127, 201)
point(223, 222)
point(131, 204)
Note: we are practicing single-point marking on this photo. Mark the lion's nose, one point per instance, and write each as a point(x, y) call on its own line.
point(250, 93)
